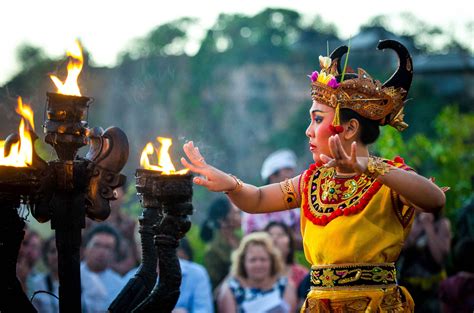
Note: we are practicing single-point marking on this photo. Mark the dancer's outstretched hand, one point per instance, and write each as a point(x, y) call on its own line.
point(340, 159)
point(210, 177)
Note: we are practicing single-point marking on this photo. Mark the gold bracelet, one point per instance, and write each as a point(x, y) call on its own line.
point(238, 187)
point(376, 167)
point(289, 194)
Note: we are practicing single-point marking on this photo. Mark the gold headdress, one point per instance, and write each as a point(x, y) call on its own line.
point(362, 94)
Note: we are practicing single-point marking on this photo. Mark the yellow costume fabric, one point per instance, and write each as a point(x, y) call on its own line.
point(371, 231)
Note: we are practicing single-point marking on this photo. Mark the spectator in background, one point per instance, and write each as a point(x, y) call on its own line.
point(100, 284)
point(423, 259)
point(49, 281)
point(277, 167)
point(195, 291)
point(457, 292)
point(220, 228)
point(28, 256)
point(284, 241)
point(185, 251)
point(257, 284)
point(127, 257)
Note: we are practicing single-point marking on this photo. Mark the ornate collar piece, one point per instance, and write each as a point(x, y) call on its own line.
point(327, 196)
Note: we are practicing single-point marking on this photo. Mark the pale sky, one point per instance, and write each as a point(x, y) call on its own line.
point(105, 27)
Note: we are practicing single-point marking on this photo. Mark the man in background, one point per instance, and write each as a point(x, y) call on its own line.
point(277, 167)
point(100, 284)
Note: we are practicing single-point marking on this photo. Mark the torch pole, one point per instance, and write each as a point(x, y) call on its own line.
point(171, 196)
point(66, 131)
point(11, 236)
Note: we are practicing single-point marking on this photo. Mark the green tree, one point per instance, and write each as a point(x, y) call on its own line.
point(28, 56)
point(166, 39)
point(446, 155)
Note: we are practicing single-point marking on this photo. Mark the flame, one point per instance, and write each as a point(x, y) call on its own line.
point(74, 67)
point(21, 153)
point(26, 112)
point(164, 160)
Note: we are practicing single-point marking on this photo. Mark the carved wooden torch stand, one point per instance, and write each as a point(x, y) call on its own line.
point(63, 191)
point(166, 200)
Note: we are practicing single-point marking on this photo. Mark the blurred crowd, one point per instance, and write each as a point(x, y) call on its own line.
point(250, 263)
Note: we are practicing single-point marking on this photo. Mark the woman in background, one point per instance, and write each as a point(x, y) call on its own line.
point(257, 284)
point(283, 239)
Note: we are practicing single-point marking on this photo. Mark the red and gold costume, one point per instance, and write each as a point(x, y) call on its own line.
point(353, 231)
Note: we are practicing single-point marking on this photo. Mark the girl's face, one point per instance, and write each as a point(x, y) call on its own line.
point(318, 130)
point(280, 239)
point(257, 262)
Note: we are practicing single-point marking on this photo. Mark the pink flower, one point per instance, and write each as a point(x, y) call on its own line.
point(314, 76)
point(333, 83)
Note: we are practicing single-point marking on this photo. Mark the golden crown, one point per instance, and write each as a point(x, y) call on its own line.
point(360, 92)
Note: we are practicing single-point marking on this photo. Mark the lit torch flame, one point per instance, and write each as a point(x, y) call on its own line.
point(21, 153)
point(74, 67)
point(164, 160)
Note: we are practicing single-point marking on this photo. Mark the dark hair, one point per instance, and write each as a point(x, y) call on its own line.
point(369, 129)
point(103, 229)
point(186, 247)
point(290, 259)
point(218, 211)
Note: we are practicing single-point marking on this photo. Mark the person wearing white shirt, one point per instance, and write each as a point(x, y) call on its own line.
point(100, 284)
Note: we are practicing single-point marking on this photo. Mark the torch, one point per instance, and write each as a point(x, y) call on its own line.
point(165, 195)
point(20, 173)
point(76, 186)
point(64, 191)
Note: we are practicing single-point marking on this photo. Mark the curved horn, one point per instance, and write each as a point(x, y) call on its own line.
point(337, 54)
point(404, 74)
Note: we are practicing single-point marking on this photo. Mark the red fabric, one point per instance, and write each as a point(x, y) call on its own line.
point(297, 274)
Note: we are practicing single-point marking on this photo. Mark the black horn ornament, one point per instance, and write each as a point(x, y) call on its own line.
point(403, 76)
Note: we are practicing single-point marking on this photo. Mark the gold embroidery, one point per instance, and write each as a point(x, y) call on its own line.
point(328, 192)
point(392, 301)
point(376, 167)
point(331, 190)
point(289, 194)
point(351, 189)
point(330, 277)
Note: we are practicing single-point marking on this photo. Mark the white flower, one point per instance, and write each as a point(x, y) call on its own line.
point(325, 62)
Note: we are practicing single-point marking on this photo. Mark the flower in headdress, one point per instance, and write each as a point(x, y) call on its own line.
point(314, 76)
point(333, 83)
point(324, 78)
point(325, 62)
